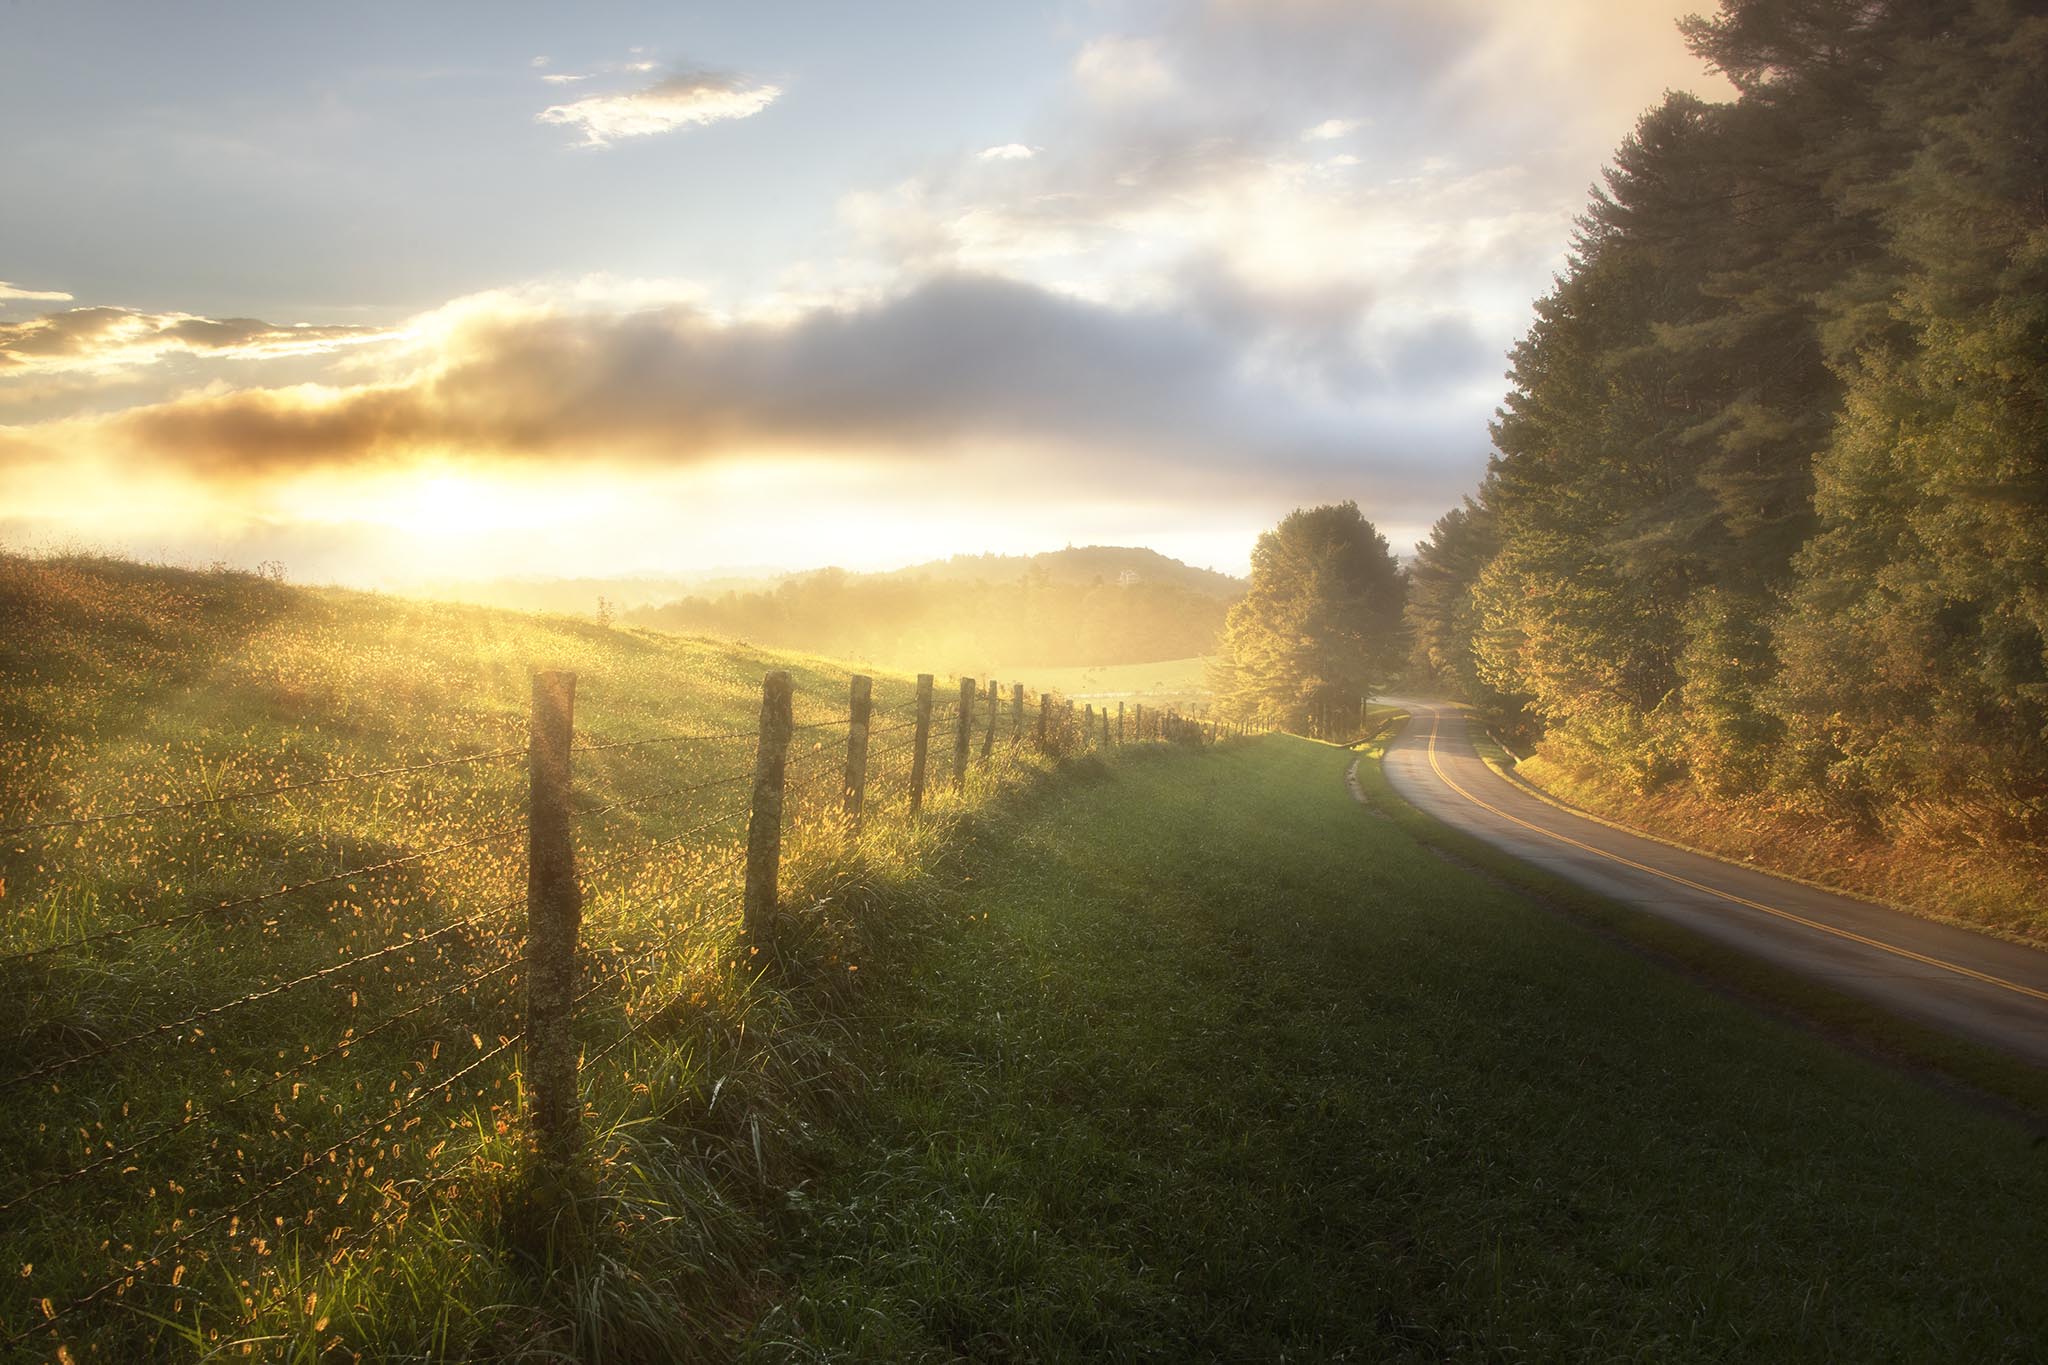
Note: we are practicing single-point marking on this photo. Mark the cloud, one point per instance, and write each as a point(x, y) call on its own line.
point(100, 339)
point(1166, 282)
point(10, 291)
point(683, 99)
point(1121, 70)
point(957, 366)
point(1187, 169)
point(1330, 129)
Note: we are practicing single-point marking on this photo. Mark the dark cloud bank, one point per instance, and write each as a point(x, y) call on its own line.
point(956, 363)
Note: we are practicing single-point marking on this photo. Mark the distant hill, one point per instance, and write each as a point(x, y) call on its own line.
point(1075, 566)
point(1079, 566)
point(1077, 607)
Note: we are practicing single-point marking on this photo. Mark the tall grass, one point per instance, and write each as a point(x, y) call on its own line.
point(217, 1199)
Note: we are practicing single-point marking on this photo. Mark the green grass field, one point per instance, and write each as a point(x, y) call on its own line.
point(1166, 1053)
point(1214, 1063)
point(263, 1081)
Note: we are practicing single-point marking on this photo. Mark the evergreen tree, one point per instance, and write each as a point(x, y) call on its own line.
point(1916, 642)
point(1768, 510)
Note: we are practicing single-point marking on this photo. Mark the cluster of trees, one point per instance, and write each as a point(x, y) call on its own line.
point(929, 621)
point(1768, 512)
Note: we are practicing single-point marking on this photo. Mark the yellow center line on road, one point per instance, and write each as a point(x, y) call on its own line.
point(1896, 951)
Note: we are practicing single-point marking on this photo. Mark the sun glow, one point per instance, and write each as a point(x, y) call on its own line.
point(458, 505)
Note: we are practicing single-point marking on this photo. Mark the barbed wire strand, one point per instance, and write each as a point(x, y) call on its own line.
point(681, 790)
point(223, 907)
point(645, 742)
point(298, 1069)
point(598, 868)
point(178, 1026)
point(636, 1029)
point(414, 1097)
point(257, 794)
point(695, 879)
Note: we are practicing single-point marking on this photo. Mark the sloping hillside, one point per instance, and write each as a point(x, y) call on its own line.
point(262, 949)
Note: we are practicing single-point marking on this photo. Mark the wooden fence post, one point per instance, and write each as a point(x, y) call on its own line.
point(963, 734)
point(1119, 722)
point(860, 710)
point(554, 911)
point(995, 704)
point(1016, 712)
point(1105, 725)
point(1044, 716)
point(1138, 722)
point(764, 822)
point(1088, 726)
point(921, 744)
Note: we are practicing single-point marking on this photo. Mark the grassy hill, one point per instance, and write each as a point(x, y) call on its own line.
point(248, 1034)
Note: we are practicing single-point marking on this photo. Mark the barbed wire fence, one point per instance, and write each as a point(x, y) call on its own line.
point(422, 959)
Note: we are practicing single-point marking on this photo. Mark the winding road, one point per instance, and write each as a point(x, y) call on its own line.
point(1968, 983)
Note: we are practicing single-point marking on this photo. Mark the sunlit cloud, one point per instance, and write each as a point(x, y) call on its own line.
point(100, 339)
point(11, 291)
point(955, 368)
point(1009, 151)
point(684, 99)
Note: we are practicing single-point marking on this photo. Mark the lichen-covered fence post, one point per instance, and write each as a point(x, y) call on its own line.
point(963, 734)
point(860, 710)
point(764, 821)
point(1016, 712)
point(1119, 722)
point(554, 912)
point(921, 743)
point(1044, 717)
point(1088, 726)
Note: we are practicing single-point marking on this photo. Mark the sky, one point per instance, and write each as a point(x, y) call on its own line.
point(391, 293)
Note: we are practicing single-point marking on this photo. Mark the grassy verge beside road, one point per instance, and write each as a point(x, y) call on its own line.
point(1206, 1061)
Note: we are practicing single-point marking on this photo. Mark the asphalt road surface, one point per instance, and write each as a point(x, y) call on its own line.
point(1973, 985)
